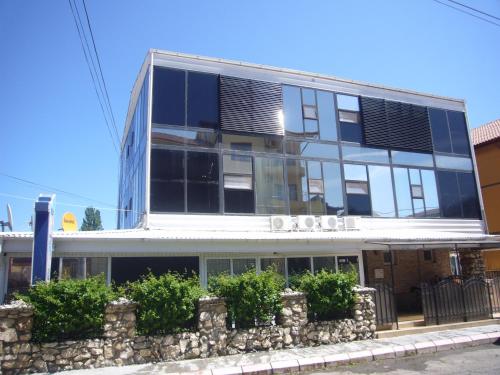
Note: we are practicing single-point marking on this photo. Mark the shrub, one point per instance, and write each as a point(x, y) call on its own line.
point(250, 297)
point(68, 309)
point(329, 295)
point(166, 303)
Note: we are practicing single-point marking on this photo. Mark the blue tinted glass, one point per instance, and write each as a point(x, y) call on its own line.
point(403, 194)
point(418, 207)
point(458, 132)
point(333, 189)
point(415, 177)
point(358, 204)
point(314, 169)
point(311, 128)
point(168, 96)
point(203, 100)
point(450, 201)
point(167, 136)
point(350, 132)
point(469, 198)
point(347, 102)
point(327, 118)
point(355, 172)
point(453, 162)
point(430, 193)
point(292, 110)
point(412, 158)
point(440, 132)
point(297, 186)
point(381, 191)
point(308, 97)
point(365, 154)
point(258, 143)
point(311, 149)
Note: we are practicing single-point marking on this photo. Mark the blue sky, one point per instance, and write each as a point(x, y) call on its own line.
point(52, 131)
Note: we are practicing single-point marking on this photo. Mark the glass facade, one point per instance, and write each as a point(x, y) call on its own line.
point(320, 165)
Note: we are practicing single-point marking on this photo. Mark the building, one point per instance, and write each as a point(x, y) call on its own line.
point(486, 139)
point(227, 166)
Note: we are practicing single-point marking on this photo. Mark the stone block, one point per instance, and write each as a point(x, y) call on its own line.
point(236, 370)
point(384, 353)
point(311, 363)
point(339, 359)
point(360, 356)
point(479, 339)
point(257, 369)
point(462, 341)
point(444, 344)
point(285, 367)
point(425, 347)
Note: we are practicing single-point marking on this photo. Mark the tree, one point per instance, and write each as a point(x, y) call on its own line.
point(92, 220)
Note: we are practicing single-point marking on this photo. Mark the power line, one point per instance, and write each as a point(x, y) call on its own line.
point(466, 12)
point(474, 9)
point(53, 188)
point(82, 37)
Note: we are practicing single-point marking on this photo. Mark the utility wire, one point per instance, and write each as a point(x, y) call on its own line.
point(53, 188)
point(474, 9)
point(466, 12)
point(92, 76)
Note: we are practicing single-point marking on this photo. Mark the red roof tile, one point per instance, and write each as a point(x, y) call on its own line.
point(485, 133)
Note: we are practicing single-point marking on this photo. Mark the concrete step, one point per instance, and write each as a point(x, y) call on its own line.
point(411, 323)
point(442, 327)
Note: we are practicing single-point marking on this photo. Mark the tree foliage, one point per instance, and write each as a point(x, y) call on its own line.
point(92, 220)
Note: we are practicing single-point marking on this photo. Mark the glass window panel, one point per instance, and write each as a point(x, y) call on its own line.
point(449, 194)
point(167, 180)
point(333, 189)
point(358, 204)
point(453, 162)
point(97, 266)
point(73, 268)
point(166, 136)
point(308, 96)
point(439, 128)
point(237, 164)
point(202, 182)
point(239, 201)
point(412, 158)
point(381, 191)
point(315, 186)
point(403, 194)
point(168, 96)
point(348, 263)
point(314, 169)
point(277, 264)
point(203, 100)
point(355, 172)
point(260, 143)
point(418, 207)
point(298, 266)
point(348, 102)
point(352, 117)
point(416, 191)
point(238, 182)
point(270, 188)
point(292, 110)
point(458, 132)
point(324, 263)
point(351, 132)
point(311, 128)
point(19, 278)
point(430, 193)
point(327, 116)
point(311, 149)
point(352, 187)
point(365, 154)
point(54, 269)
point(297, 186)
point(415, 177)
point(310, 112)
point(469, 198)
point(201, 138)
point(317, 204)
point(218, 266)
point(242, 265)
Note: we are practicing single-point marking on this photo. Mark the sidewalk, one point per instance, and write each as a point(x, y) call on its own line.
point(314, 358)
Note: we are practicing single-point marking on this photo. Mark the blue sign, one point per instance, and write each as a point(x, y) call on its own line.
point(42, 239)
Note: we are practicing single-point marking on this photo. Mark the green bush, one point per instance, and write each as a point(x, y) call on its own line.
point(68, 309)
point(250, 296)
point(329, 295)
point(166, 303)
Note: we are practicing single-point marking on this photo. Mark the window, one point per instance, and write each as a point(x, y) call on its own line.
point(356, 182)
point(348, 264)
point(297, 266)
point(428, 255)
point(324, 263)
point(312, 149)
point(203, 100)
point(309, 112)
point(365, 154)
point(202, 182)
point(277, 264)
point(168, 96)
point(449, 131)
point(238, 184)
point(73, 268)
point(19, 278)
point(387, 257)
point(382, 196)
point(412, 159)
point(260, 143)
point(269, 186)
point(332, 181)
point(453, 162)
point(167, 180)
point(235, 266)
point(327, 117)
point(181, 137)
point(458, 193)
point(96, 267)
point(297, 186)
point(349, 117)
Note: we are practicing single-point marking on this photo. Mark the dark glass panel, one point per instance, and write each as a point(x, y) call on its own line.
point(297, 266)
point(458, 133)
point(167, 180)
point(440, 131)
point(292, 110)
point(324, 263)
point(202, 182)
point(449, 194)
point(297, 186)
point(203, 100)
point(333, 189)
point(468, 191)
point(358, 204)
point(276, 264)
point(54, 269)
point(132, 268)
point(260, 143)
point(350, 132)
point(181, 137)
point(239, 201)
point(348, 263)
point(168, 96)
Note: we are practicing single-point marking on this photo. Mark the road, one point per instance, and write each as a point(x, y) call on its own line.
point(484, 360)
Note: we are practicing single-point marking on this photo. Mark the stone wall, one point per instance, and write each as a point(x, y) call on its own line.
point(121, 346)
point(472, 263)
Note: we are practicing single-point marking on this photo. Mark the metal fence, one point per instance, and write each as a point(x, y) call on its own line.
point(494, 284)
point(456, 300)
point(385, 308)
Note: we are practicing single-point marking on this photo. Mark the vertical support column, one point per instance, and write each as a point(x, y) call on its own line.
point(212, 324)
point(42, 239)
point(472, 263)
point(293, 316)
point(364, 313)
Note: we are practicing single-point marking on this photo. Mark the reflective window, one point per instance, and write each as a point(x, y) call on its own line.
point(167, 180)
point(311, 149)
point(203, 100)
point(348, 263)
point(403, 194)
point(261, 143)
point(333, 189)
point(351, 132)
point(241, 265)
point(308, 97)
point(168, 96)
point(277, 264)
point(345, 116)
point(297, 186)
point(468, 195)
point(418, 208)
point(292, 110)
point(449, 194)
point(202, 182)
point(96, 266)
point(439, 128)
point(297, 266)
point(365, 154)
point(269, 186)
point(311, 128)
point(458, 133)
point(416, 191)
point(356, 187)
point(309, 112)
point(430, 193)
point(218, 266)
point(182, 137)
point(382, 198)
point(324, 263)
point(355, 172)
point(449, 131)
point(73, 268)
point(327, 118)
point(412, 158)
point(348, 102)
point(358, 199)
point(238, 184)
point(453, 162)
point(316, 189)
point(19, 278)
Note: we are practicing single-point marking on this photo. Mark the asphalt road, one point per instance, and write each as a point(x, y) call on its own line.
point(484, 360)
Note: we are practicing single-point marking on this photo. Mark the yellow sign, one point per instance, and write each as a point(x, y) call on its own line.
point(69, 222)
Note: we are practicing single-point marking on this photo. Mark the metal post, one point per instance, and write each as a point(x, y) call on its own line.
point(393, 288)
point(458, 260)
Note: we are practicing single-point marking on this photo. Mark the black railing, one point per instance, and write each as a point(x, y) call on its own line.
point(385, 308)
point(494, 283)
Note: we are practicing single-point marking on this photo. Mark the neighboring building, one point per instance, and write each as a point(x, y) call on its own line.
point(486, 139)
point(227, 165)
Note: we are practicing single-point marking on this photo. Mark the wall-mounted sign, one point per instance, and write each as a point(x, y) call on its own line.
point(379, 273)
point(69, 223)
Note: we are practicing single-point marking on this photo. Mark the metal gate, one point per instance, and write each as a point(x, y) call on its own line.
point(493, 279)
point(456, 300)
point(385, 308)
